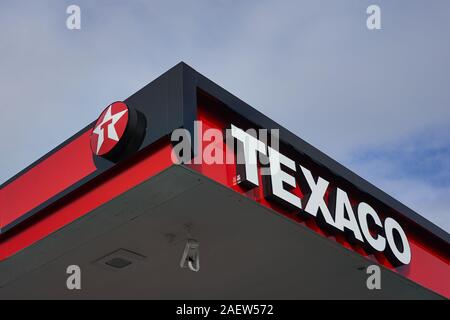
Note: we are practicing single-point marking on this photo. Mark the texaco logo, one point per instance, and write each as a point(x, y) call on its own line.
point(110, 128)
point(118, 133)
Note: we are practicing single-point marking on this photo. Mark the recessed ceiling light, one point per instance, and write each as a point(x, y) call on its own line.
point(118, 263)
point(119, 259)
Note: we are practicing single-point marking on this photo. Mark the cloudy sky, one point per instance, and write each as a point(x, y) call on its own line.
point(376, 101)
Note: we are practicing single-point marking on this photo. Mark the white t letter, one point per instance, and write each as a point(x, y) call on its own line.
point(250, 146)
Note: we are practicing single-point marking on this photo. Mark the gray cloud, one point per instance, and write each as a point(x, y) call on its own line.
point(311, 65)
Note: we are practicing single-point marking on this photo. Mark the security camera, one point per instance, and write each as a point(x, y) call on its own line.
point(191, 258)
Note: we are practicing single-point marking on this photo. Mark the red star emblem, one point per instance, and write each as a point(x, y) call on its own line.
point(109, 128)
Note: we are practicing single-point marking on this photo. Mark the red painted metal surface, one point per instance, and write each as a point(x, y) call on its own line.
point(48, 178)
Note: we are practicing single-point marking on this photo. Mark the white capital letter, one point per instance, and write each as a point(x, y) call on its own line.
point(316, 199)
point(250, 146)
point(278, 177)
point(404, 256)
point(364, 210)
point(342, 223)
